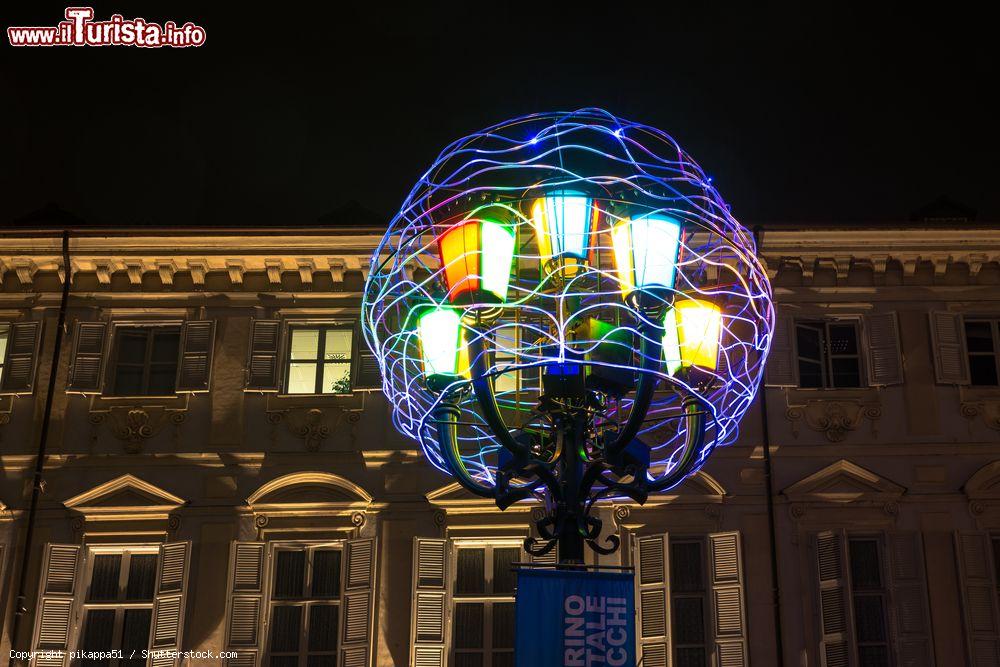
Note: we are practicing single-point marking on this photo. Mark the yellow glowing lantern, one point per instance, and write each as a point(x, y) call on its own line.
point(691, 332)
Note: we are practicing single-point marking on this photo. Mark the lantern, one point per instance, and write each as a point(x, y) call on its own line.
point(563, 221)
point(442, 345)
point(476, 256)
point(645, 250)
point(691, 331)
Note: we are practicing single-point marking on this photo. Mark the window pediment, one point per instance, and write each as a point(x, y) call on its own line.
point(309, 488)
point(984, 483)
point(127, 496)
point(844, 482)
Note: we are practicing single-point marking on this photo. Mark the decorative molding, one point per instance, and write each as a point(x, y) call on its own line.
point(134, 269)
point(336, 483)
point(305, 267)
point(834, 418)
point(337, 268)
point(126, 497)
point(304, 496)
point(845, 482)
point(198, 269)
point(103, 269)
point(988, 410)
point(25, 270)
point(134, 425)
point(984, 484)
point(273, 268)
point(166, 268)
point(235, 268)
point(307, 424)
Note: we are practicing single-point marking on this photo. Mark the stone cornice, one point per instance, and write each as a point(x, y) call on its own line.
point(844, 249)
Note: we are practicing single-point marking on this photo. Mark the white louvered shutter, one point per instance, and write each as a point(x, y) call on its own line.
point(358, 603)
point(651, 556)
point(61, 567)
point(19, 366)
point(885, 361)
point(87, 370)
point(429, 610)
point(246, 598)
point(908, 589)
point(836, 643)
point(782, 365)
point(978, 584)
point(168, 610)
point(262, 367)
point(368, 375)
point(194, 370)
point(951, 363)
point(729, 609)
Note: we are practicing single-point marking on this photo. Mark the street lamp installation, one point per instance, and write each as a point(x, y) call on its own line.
point(565, 310)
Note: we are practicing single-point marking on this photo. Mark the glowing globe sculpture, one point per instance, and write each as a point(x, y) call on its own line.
point(564, 308)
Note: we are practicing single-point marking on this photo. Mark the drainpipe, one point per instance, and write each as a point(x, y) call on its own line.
point(769, 489)
point(20, 603)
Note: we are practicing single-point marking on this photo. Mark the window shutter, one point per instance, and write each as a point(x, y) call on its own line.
point(885, 361)
point(782, 365)
point(911, 619)
point(369, 375)
point(197, 344)
point(246, 595)
point(428, 614)
point(54, 608)
point(951, 365)
point(836, 645)
point(551, 558)
point(88, 357)
point(727, 599)
point(263, 365)
point(168, 609)
point(650, 554)
point(982, 627)
point(22, 348)
point(358, 603)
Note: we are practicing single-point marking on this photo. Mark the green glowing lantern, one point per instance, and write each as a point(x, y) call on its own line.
point(442, 346)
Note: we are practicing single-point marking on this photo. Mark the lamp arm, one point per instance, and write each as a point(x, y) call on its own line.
point(651, 349)
point(694, 441)
point(446, 415)
point(490, 412)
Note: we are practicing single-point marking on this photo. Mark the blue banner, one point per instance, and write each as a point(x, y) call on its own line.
point(575, 618)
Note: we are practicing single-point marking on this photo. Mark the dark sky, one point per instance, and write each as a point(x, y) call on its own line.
point(818, 114)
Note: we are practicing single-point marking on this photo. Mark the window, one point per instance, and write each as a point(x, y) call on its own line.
point(4, 336)
point(869, 602)
point(145, 361)
point(118, 606)
point(483, 619)
point(508, 351)
point(982, 338)
point(829, 356)
point(688, 602)
point(304, 606)
point(319, 360)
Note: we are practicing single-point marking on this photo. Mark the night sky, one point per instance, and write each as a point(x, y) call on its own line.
point(803, 115)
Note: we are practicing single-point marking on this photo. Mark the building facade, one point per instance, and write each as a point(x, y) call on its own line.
point(221, 474)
